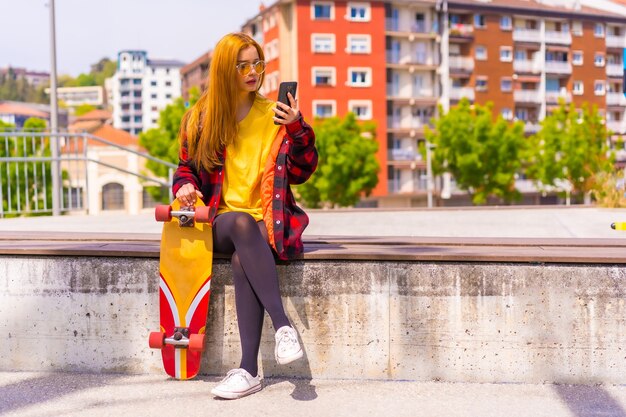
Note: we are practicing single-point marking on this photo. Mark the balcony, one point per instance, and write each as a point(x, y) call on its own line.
point(617, 126)
point(406, 187)
point(411, 95)
point(532, 127)
point(404, 154)
point(526, 66)
point(615, 99)
point(615, 42)
point(560, 38)
point(462, 63)
point(461, 30)
point(614, 70)
point(527, 96)
point(396, 122)
point(394, 25)
point(415, 58)
point(457, 93)
point(558, 67)
point(526, 35)
point(553, 97)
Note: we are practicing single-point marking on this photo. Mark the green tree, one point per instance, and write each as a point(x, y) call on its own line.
point(83, 109)
point(162, 141)
point(27, 186)
point(483, 156)
point(347, 168)
point(571, 147)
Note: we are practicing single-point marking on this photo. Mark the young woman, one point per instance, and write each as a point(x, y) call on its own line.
point(241, 164)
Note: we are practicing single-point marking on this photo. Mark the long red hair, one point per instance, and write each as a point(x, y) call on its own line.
point(211, 124)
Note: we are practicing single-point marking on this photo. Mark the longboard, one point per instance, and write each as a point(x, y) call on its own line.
point(185, 268)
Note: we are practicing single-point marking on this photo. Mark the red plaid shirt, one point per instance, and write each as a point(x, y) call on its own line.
point(297, 154)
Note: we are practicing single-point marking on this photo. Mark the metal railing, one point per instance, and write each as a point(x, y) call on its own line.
point(26, 171)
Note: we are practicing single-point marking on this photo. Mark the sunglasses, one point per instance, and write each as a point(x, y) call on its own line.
point(245, 68)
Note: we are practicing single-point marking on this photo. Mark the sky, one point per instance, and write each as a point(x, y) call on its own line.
point(88, 30)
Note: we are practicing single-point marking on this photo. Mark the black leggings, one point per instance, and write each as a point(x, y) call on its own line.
point(255, 279)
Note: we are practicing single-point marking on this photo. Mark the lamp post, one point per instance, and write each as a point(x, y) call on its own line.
point(54, 118)
point(429, 174)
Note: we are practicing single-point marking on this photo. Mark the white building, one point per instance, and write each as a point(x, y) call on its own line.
point(76, 96)
point(141, 88)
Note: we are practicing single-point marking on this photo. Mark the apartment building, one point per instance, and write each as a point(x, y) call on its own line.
point(195, 74)
point(526, 56)
point(141, 88)
point(34, 78)
point(77, 96)
point(394, 61)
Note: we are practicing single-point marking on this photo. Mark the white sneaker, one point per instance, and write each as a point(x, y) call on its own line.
point(287, 347)
point(237, 383)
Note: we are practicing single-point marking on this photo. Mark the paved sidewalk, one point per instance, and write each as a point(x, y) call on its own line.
point(86, 395)
point(532, 222)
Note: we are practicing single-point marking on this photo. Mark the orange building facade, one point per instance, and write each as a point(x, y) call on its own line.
point(384, 61)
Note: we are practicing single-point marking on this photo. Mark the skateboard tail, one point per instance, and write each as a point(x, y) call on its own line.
point(182, 363)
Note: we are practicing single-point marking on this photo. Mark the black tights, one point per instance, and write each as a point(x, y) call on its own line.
point(255, 279)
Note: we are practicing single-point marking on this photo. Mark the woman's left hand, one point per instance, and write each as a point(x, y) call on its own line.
point(285, 113)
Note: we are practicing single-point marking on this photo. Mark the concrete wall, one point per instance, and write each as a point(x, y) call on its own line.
point(478, 322)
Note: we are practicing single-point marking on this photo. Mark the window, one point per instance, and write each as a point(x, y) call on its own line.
point(168, 83)
point(598, 60)
point(324, 108)
point(360, 77)
point(324, 76)
point(577, 28)
point(577, 57)
point(323, 43)
point(599, 87)
point(359, 44)
point(358, 12)
point(578, 88)
point(479, 21)
point(506, 23)
point(507, 114)
point(322, 10)
point(153, 83)
point(154, 108)
point(506, 85)
point(481, 83)
point(481, 53)
point(598, 30)
point(153, 96)
point(168, 96)
point(506, 54)
point(362, 109)
point(113, 196)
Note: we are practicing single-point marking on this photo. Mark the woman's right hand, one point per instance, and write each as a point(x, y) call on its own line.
point(187, 195)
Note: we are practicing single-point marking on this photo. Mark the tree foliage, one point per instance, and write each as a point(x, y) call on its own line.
point(162, 141)
point(347, 168)
point(571, 147)
point(18, 89)
point(483, 156)
point(26, 186)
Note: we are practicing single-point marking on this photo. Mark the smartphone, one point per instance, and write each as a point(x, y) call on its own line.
point(284, 88)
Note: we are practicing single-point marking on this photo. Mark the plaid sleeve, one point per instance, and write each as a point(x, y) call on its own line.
point(302, 156)
point(186, 171)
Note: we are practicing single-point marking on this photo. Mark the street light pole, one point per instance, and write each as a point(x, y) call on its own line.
point(429, 174)
point(54, 117)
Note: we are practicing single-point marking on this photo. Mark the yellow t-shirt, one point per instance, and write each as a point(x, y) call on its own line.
point(245, 160)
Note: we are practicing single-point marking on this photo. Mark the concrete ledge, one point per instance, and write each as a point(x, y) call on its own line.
point(401, 309)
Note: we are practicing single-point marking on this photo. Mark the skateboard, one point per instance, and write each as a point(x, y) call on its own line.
point(185, 269)
point(618, 226)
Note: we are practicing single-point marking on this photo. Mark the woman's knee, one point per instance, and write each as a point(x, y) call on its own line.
point(244, 224)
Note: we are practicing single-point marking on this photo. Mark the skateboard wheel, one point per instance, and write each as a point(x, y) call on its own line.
point(156, 340)
point(163, 213)
point(196, 342)
point(202, 214)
